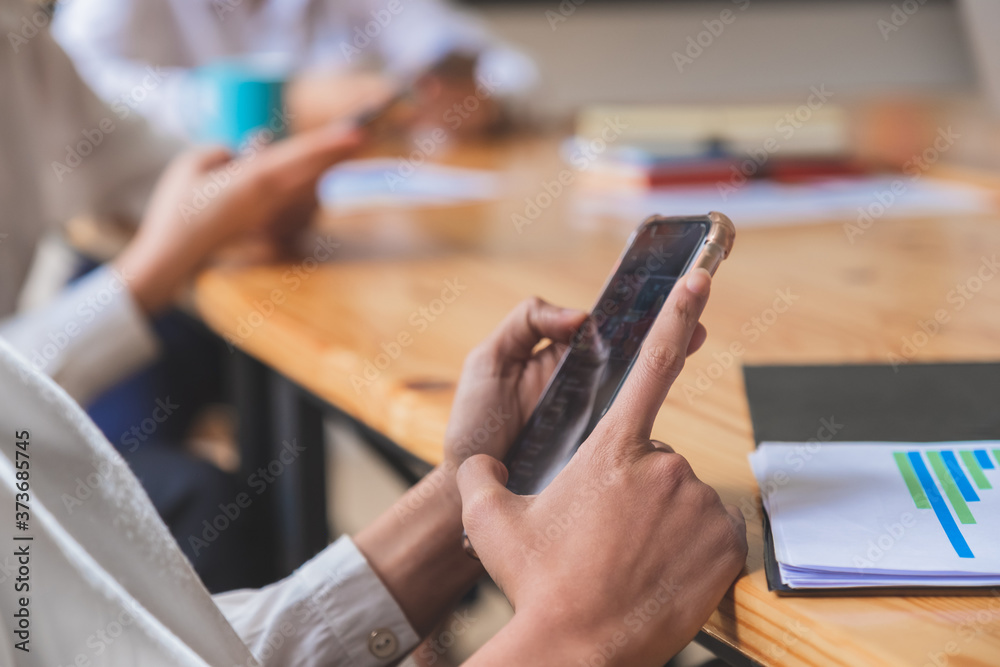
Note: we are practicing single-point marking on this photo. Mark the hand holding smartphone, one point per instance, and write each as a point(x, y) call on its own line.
point(593, 368)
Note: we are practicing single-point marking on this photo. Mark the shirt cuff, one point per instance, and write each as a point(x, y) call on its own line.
point(362, 614)
point(90, 337)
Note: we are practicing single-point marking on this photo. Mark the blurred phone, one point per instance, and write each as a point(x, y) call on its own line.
point(599, 358)
point(375, 115)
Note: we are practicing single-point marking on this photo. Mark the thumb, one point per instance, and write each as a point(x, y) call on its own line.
point(488, 508)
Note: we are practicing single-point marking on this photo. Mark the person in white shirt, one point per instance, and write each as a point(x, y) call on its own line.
point(138, 53)
point(92, 577)
point(66, 153)
point(63, 152)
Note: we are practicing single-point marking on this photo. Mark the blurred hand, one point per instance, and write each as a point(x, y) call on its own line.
point(207, 198)
point(626, 553)
point(450, 97)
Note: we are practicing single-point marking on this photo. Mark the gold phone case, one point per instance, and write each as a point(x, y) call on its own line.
point(716, 246)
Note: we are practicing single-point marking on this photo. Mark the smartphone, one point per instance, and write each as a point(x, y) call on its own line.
point(376, 114)
point(601, 354)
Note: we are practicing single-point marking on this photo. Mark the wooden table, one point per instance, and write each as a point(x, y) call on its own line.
point(852, 302)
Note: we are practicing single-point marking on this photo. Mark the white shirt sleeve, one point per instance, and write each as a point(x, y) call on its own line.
point(108, 564)
point(333, 610)
point(87, 338)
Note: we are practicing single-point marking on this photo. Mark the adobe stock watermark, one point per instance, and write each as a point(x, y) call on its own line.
point(92, 137)
point(898, 17)
point(258, 482)
point(633, 623)
point(219, 179)
point(751, 330)
point(793, 634)
point(586, 153)
point(291, 280)
point(427, 145)
point(144, 430)
point(100, 641)
point(437, 646)
point(559, 525)
point(563, 11)
point(784, 128)
point(878, 547)
point(698, 43)
point(470, 444)
point(32, 24)
point(307, 613)
point(957, 298)
point(419, 320)
point(87, 486)
point(364, 35)
point(795, 460)
point(915, 168)
point(87, 310)
point(973, 626)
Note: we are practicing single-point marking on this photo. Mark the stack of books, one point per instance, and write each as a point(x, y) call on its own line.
point(641, 147)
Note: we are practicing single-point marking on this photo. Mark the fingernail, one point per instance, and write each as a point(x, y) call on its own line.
point(699, 281)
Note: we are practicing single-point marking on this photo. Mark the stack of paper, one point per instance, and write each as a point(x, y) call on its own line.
point(378, 182)
point(768, 203)
point(868, 514)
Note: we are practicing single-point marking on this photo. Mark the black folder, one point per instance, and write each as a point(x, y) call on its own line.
point(871, 402)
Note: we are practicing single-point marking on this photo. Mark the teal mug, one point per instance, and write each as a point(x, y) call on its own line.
point(231, 101)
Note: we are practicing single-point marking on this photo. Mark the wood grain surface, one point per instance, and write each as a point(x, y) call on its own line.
point(380, 324)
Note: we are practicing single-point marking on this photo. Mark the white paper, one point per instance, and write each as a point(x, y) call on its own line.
point(359, 184)
point(842, 514)
point(767, 203)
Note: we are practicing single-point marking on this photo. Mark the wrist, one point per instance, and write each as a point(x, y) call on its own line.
point(416, 550)
point(542, 639)
point(156, 269)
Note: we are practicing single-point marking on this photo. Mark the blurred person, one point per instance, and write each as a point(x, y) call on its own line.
point(641, 527)
point(64, 152)
point(140, 53)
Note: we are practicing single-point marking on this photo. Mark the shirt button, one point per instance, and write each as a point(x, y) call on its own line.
point(383, 643)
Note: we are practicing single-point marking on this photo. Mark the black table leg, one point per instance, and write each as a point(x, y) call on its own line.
point(248, 379)
point(297, 457)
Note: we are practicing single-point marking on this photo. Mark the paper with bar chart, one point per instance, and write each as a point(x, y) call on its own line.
point(882, 513)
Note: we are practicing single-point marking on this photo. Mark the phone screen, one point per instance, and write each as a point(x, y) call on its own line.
point(601, 354)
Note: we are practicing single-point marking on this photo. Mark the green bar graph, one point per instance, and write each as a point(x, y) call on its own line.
point(976, 470)
point(912, 483)
point(950, 488)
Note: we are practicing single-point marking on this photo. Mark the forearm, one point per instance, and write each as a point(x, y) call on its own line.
point(416, 549)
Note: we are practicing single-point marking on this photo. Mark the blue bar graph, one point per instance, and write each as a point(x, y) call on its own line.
point(940, 508)
point(968, 493)
point(984, 459)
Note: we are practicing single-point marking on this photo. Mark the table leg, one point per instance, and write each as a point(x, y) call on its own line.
point(248, 379)
point(299, 493)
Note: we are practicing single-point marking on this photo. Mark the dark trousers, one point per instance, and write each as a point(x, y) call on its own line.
point(146, 416)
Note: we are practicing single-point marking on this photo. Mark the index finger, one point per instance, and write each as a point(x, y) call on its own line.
point(662, 356)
